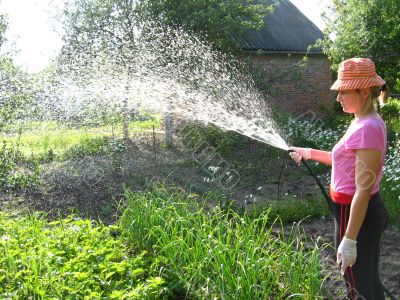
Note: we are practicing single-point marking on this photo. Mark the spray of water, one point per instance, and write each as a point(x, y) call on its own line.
point(168, 71)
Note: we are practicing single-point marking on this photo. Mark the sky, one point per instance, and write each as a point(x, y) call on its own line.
point(34, 41)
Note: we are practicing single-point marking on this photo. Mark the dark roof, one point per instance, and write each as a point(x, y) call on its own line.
point(286, 30)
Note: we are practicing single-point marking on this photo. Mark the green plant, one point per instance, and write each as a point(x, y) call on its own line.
point(390, 113)
point(70, 259)
point(291, 209)
point(215, 254)
point(16, 171)
point(224, 142)
point(306, 133)
point(391, 182)
point(96, 146)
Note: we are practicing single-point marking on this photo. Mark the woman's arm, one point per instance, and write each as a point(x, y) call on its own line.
point(324, 157)
point(367, 167)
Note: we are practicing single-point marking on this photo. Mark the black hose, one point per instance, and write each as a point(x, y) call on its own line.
point(328, 201)
point(324, 193)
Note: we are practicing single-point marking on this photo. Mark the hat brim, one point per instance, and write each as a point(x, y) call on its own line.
point(357, 83)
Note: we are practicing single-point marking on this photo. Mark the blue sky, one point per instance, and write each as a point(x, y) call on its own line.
point(32, 36)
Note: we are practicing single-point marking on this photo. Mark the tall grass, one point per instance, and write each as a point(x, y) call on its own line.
point(215, 254)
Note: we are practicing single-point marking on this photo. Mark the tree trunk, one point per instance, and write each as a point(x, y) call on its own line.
point(169, 125)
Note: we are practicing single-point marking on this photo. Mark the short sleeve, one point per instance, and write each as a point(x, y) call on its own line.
point(366, 137)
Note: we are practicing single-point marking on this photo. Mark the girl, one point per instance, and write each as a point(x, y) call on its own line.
point(357, 163)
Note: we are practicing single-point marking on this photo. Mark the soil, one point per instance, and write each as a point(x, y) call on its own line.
point(389, 260)
point(92, 187)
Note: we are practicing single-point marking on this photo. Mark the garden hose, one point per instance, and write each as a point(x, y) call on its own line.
point(328, 201)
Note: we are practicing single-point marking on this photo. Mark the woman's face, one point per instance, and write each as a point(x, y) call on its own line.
point(352, 101)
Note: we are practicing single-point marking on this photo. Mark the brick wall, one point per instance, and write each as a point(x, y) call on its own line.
point(296, 85)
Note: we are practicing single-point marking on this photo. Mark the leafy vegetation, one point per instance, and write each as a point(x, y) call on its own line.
point(217, 20)
point(70, 259)
point(52, 139)
point(16, 171)
point(3, 28)
point(391, 182)
point(391, 114)
point(365, 29)
point(113, 23)
point(291, 209)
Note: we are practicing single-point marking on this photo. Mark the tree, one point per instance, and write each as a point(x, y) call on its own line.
point(3, 28)
point(96, 29)
point(17, 94)
point(217, 20)
point(359, 28)
point(91, 25)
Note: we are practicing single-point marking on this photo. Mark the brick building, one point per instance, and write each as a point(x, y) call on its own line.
point(295, 84)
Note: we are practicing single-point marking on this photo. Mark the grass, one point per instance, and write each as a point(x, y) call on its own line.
point(38, 138)
point(70, 259)
point(291, 209)
point(212, 253)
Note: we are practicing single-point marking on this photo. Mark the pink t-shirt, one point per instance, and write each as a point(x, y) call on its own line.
point(363, 133)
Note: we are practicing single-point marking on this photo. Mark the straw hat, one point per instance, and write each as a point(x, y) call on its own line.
point(357, 73)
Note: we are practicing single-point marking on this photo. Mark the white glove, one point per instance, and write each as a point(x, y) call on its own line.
point(346, 253)
point(300, 153)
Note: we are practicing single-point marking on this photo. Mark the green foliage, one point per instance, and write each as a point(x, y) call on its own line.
point(391, 196)
point(391, 181)
point(306, 133)
point(3, 28)
point(217, 20)
point(391, 114)
point(217, 254)
point(294, 210)
point(17, 172)
point(94, 27)
point(70, 259)
point(224, 142)
point(52, 140)
point(15, 96)
point(365, 29)
point(96, 146)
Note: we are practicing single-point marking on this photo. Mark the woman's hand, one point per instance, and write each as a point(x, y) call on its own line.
point(346, 254)
point(300, 153)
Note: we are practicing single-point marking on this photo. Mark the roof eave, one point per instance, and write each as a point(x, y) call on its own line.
point(260, 51)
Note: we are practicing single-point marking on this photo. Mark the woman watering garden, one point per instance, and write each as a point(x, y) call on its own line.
point(357, 165)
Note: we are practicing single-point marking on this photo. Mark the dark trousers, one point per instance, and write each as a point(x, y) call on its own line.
point(362, 279)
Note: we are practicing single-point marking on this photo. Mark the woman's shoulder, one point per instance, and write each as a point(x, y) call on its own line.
point(369, 126)
point(374, 121)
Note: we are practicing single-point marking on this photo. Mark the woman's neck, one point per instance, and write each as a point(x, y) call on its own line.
point(363, 115)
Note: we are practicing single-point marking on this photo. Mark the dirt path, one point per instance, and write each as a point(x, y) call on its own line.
point(389, 264)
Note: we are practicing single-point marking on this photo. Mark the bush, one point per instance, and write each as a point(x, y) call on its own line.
point(224, 142)
point(391, 114)
point(96, 146)
point(16, 171)
point(391, 110)
point(306, 133)
point(390, 184)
